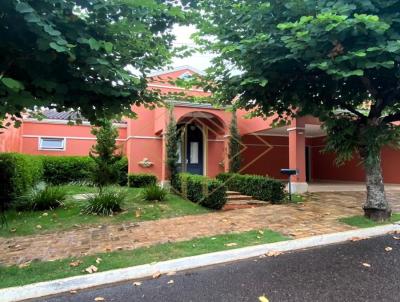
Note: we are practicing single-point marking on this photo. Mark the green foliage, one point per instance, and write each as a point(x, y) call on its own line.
point(234, 146)
point(107, 202)
point(40, 198)
point(154, 193)
point(209, 193)
point(18, 173)
point(122, 167)
point(259, 187)
point(329, 59)
point(65, 169)
point(172, 145)
point(70, 54)
point(103, 153)
point(141, 180)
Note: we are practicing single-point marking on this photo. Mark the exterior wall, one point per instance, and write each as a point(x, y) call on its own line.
point(79, 140)
point(323, 166)
point(265, 155)
point(10, 138)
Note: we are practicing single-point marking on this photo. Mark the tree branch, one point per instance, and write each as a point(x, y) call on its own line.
point(354, 111)
point(391, 118)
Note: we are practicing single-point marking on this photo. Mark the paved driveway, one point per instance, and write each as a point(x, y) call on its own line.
point(318, 215)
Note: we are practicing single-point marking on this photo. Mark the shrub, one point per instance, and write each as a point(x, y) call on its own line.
point(210, 193)
point(141, 180)
point(122, 167)
point(65, 169)
point(154, 193)
point(107, 202)
point(18, 173)
point(40, 198)
point(259, 187)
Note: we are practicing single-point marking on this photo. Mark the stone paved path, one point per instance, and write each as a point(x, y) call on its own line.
point(318, 215)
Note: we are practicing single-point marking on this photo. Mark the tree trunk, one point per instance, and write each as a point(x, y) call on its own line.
point(376, 206)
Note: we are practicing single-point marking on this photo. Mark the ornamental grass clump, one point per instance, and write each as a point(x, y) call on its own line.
point(41, 197)
point(154, 193)
point(107, 202)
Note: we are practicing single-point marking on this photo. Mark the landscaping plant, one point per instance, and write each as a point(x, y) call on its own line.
point(154, 193)
point(106, 202)
point(141, 180)
point(172, 145)
point(234, 145)
point(41, 197)
point(105, 170)
point(336, 60)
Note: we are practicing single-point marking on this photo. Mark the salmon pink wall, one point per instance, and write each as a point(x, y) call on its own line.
point(10, 138)
point(256, 159)
point(324, 168)
point(79, 140)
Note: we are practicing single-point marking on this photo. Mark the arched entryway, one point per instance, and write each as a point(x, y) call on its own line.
point(191, 149)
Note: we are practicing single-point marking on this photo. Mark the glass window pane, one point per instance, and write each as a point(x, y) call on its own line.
point(52, 143)
point(194, 152)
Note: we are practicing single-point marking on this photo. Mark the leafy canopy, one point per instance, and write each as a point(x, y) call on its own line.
point(74, 54)
point(337, 60)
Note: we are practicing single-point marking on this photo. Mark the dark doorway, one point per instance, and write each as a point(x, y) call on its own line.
point(194, 150)
point(308, 164)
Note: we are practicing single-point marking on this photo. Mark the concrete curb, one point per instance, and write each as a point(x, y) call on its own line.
point(41, 289)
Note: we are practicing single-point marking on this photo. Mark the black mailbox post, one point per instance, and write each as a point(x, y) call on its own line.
point(289, 173)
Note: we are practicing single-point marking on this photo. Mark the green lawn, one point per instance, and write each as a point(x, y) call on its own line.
point(363, 222)
point(42, 271)
point(69, 216)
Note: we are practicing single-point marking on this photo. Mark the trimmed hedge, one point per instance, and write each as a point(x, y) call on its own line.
point(65, 169)
point(141, 180)
point(259, 187)
point(210, 193)
point(18, 173)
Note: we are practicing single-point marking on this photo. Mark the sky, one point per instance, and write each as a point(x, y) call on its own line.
point(197, 60)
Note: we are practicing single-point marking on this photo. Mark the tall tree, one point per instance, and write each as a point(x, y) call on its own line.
point(104, 154)
point(172, 145)
point(79, 53)
point(325, 58)
point(234, 145)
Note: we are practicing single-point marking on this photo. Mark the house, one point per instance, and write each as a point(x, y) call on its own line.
point(204, 140)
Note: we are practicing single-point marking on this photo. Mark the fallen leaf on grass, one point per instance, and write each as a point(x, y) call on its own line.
point(231, 244)
point(98, 260)
point(91, 269)
point(263, 299)
point(25, 264)
point(75, 263)
point(156, 275)
point(13, 230)
point(388, 249)
point(366, 264)
point(273, 253)
point(137, 213)
point(170, 282)
point(45, 214)
point(261, 232)
point(137, 283)
point(99, 299)
point(38, 226)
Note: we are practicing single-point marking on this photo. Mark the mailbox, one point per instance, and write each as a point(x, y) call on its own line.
point(290, 172)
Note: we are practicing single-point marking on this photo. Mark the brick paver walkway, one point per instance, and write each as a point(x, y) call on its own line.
point(318, 215)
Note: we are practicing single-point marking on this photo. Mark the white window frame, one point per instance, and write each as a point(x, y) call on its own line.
point(41, 138)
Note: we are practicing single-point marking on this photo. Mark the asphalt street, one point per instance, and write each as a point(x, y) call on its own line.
point(365, 270)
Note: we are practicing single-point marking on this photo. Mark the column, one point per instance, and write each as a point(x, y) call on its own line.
point(297, 157)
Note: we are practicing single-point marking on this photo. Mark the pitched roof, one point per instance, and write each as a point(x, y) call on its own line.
point(179, 68)
point(52, 114)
